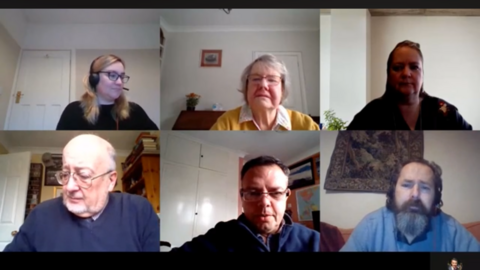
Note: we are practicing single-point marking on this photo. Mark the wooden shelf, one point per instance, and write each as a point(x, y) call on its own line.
point(145, 168)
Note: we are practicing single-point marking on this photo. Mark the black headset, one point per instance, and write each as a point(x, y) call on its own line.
point(93, 78)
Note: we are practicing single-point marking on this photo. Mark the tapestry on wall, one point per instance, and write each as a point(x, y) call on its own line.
point(365, 160)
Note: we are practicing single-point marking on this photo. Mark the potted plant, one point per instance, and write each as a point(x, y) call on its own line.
point(333, 122)
point(192, 101)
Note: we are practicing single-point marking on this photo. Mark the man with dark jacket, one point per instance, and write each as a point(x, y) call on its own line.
point(263, 226)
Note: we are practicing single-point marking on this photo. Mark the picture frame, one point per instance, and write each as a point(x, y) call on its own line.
point(50, 179)
point(301, 174)
point(57, 192)
point(211, 58)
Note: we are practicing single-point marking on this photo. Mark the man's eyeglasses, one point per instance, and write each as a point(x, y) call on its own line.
point(82, 181)
point(250, 196)
point(112, 76)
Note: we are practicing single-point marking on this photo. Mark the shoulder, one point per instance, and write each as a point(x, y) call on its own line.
point(228, 120)
point(49, 208)
point(134, 203)
point(379, 216)
point(451, 223)
point(231, 114)
point(374, 106)
point(226, 225)
point(134, 107)
point(301, 121)
point(74, 106)
point(442, 106)
point(304, 233)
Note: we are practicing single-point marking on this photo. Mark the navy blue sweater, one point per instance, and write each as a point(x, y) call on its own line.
point(239, 236)
point(128, 223)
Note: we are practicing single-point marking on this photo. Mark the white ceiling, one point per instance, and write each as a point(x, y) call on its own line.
point(121, 141)
point(93, 16)
point(183, 18)
point(283, 145)
point(279, 18)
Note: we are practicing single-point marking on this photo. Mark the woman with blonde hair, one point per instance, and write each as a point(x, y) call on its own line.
point(265, 86)
point(104, 105)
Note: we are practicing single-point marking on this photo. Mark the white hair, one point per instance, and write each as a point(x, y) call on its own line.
point(272, 62)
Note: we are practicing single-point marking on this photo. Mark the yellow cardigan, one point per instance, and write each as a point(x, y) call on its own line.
point(229, 121)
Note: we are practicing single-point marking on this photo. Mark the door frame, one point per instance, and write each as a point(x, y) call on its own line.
point(303, 94)
point(23, 202)
point(15, 79)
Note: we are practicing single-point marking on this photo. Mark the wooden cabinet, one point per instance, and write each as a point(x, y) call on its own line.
point(196, 120)
point(143, 178)
point(199, 187)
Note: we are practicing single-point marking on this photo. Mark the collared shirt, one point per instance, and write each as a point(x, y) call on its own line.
point(282, 120)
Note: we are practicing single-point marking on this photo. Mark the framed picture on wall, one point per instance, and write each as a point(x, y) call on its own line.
point(211, 58)
point(301, 174)
point(57, 192)
point(50, 171)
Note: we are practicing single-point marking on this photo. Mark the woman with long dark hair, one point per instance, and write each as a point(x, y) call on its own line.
point(405, 105)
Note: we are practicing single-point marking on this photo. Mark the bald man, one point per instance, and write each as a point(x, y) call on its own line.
point(88, 217)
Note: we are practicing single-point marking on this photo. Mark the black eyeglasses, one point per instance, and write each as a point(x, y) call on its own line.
point(112, 76)
point(250, 196)
point(82, 181)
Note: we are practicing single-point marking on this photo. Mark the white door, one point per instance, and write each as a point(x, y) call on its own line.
point(297, 99)
point(41, 92)
point(183, 151)
point(14, 174)
point(214, 158)
point(212, 202)
point(178, 190)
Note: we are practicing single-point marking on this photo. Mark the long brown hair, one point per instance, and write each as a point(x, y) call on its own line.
point(389, 91)
point(89, 100)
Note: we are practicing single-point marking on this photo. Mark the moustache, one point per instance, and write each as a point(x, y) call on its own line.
point(72, 196)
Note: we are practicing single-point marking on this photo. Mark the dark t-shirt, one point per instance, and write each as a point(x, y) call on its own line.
point(128, 223)
point(73, 119)
point(238, 236)
point(436, 114)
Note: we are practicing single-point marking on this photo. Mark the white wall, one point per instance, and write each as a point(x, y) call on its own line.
point(457, 152)
point(345, 51)
point(302, 156)
point(451, 57)
point(182, 74)
point(324, 63)
point(92, 36)
point(16, 24)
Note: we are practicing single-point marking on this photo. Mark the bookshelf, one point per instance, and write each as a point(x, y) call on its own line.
point(141, 170)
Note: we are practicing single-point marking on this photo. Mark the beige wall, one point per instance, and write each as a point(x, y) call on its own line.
point(47, 192)
point(3, 150)
point(9, 54)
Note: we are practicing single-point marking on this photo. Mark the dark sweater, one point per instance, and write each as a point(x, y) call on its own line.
point(382, 114)
point(238, 236)
point(73, 119)
point(128, 223)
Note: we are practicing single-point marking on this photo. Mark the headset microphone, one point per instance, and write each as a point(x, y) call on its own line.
point(126, 89)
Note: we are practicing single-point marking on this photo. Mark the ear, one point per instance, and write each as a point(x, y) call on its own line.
point(113, 180)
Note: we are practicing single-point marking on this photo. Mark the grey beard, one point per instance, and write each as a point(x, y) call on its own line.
point(411, 225)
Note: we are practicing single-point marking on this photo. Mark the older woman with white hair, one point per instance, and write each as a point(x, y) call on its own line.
point(265, 86)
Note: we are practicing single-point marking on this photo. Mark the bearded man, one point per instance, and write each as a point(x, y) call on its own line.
point(412, 219)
